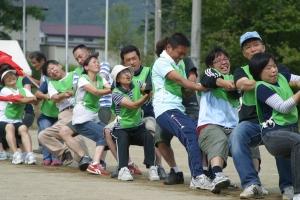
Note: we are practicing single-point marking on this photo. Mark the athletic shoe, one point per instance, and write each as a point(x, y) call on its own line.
point(125, 175)
point(47, 162)
point(153, 175)
point(115, 173)
point(3, 155)
point(161, 172)
point(252, 191)
point(134, 169)
point(30, 159)
point(97, 169)
point(66, 158)
point(264, 190)
point(17, 158)
point(201, 182)
point(84, 162)
point(220, 182)
point(174, 178)
point(56, 162)
point(288, 193)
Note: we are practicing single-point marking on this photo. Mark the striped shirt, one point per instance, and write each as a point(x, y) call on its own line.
point(106, 100)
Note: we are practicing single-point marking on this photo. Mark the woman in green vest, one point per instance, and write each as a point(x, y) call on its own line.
point(276, 107)
point(130, 129)
point(12, 129)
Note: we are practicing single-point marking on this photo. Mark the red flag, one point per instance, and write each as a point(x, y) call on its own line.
point(7, 59)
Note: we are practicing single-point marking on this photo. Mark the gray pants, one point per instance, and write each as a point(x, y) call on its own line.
point(285, 143)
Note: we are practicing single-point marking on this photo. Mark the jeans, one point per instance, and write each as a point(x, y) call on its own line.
point(184, 128)
point(91, 130)
point(286, 144)
point(248, 134)
point(43, 123)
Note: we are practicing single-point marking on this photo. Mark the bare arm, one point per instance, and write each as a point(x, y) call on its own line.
point(127, 103)
point(27, 100)
point(61, 96)
point(174, 76)
point(226, 84)
point(98, 92)
point(41, 95)
point(245, 84)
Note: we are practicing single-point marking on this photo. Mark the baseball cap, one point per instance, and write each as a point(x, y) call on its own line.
point(249, 35)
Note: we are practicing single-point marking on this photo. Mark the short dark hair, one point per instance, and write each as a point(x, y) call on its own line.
point(258, 62)
point(178, 39)
point(38, 56)
point(80, 46)
point(128, 49)
point(215, 52)
point(46, 65)
point(250, 40)
point(161, 46)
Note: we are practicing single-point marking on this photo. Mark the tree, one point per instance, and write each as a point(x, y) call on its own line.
point(11, 17)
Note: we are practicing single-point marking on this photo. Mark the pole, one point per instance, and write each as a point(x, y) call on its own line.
point(146, 28)
point(67, 36)
point(106, 31)
point(157, 35)
point(196, 32)
point(24, 27)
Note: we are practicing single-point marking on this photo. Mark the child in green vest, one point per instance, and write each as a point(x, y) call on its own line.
point(276, 107)
point(129, 129)
point(12, 130)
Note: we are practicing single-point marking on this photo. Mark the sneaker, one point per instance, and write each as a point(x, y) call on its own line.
point(161, 172)
point(153, 174)
point(264, 191)
point(66, 158)
point(134, 169)
point(125, 175)
point(17, 158)
point(288, 193)
point(84, 162)
point(56, 162)
point(115, 173)
point(220, 182)
point(3, 155)
point(296, 197)
point(47, 162)
point(252, 191)
point(174, 178)
point(201, 182)
point(97, 169)
point(30, 159)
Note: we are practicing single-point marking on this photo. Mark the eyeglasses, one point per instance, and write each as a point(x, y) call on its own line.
point(221, 60)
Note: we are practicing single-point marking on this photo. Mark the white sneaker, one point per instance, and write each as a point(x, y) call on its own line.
point(201, 182)
point(17, 158)
point(252, 191)
point(220, 182)
point(153, 174)
point(3, 155)
point(124, 174)
point(288, 193)
point(296, 197)
point(30, 159)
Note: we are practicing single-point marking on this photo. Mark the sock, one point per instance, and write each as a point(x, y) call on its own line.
point(176, 169)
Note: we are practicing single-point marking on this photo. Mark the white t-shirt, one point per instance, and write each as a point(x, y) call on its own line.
point(80, 113)
point(163, 100)
point(10, 91)
point(64, 103)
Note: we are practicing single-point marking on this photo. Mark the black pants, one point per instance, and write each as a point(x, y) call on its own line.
point(134, 136)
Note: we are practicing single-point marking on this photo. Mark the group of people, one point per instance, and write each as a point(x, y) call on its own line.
point(137, 105)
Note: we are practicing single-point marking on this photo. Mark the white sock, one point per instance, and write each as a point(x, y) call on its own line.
point(176, 169)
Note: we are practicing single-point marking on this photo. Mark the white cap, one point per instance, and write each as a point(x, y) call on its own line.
point(249, 35)
point(116, 70)
point(6, 72)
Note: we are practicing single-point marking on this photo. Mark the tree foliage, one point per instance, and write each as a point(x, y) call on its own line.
point(11, 17)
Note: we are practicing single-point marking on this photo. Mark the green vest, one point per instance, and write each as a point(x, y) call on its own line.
point(129, 118)
point(285, 92)
point(49, 108)
point(221, 93)
point(90, 101)
point(65, 84)
point(248, 97)
point(16, 110)
point(143, 75)
point(173, 87)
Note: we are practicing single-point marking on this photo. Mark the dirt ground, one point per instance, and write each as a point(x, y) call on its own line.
point(63, 183)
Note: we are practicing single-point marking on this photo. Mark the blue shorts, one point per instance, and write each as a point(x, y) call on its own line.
point(91, 130)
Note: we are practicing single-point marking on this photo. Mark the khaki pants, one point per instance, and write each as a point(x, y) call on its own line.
point(51, 139)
